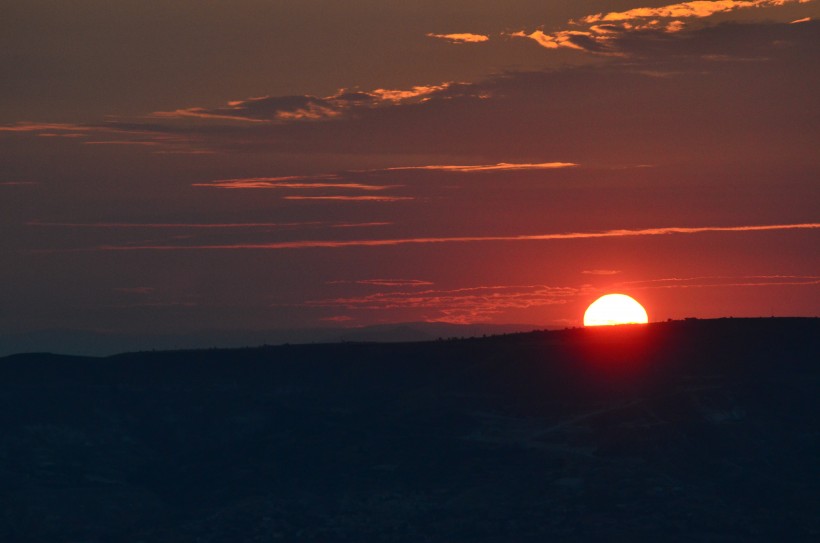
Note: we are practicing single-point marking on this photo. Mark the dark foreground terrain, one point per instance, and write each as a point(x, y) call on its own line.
point(682, 431)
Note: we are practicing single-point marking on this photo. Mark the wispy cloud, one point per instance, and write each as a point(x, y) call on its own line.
point(286, 109)
point(337, 180)
point(59, 135)
point(501, 166)
point(290, 182)
point(203, 113)
point(316, 244)
point(171, 225)
point(352, 198)
point(724, 281)
point(85, 130)
point(465, 37)
point(359, 224)
point(183, 226)
point(601, 272)
point(464, 305)
point(385, 282)
point(122, 142)
point(53, 129)
point(112, 133)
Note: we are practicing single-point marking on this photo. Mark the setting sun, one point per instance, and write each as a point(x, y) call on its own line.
point(615, 309)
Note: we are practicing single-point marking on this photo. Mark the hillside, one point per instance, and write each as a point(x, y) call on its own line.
point(704, 430)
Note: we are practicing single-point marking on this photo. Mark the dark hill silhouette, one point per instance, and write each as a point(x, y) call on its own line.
point(697, 430)
point(89, 343)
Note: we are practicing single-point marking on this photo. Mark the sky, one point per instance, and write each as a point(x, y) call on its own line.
point(172, 167)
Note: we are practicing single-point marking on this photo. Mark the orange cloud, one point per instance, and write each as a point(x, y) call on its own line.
point(460, 38)
point(286, 109)
point(556, 40)
point(282, 183)
point(313, 112)
point(602, 29)
point(202, 113)
point(316, 244)
point(698, 8)
point(419, 92)
point(501, 166)
point(39, 127)
point(310, 181)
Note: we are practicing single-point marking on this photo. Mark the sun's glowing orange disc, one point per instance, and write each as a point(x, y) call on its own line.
point(615, 309)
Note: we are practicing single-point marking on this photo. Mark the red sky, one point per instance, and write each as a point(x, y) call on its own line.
point(178, 166)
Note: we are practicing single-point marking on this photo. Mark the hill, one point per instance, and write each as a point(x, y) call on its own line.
point(697, 430)
point(87, 343)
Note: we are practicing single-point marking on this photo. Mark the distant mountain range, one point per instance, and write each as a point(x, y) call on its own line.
point(90, 343)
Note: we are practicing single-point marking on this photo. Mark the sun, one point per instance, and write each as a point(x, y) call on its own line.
point(615, 309)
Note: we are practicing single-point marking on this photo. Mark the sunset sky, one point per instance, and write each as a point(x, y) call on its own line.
point(170, 167)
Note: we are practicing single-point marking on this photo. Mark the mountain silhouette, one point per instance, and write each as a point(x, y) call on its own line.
point(696, 430)
point(90, 343)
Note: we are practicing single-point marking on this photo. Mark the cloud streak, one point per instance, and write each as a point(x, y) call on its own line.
point(336, 180)
point(463, 305)
point(500, 167)
point(385, 282)
point(710, 281)
point(288, 109)
point(319, 244)
point(171, 226)
point(120, 134)
point(465, 37)
point(278, 183)
point(352, 198)
point(51, 129)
